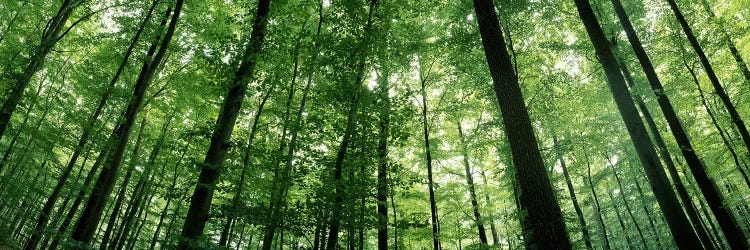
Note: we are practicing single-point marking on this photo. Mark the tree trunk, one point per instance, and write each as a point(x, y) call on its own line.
point(597, 211)
point(571, 191)
point(543, 224)
point(741, 65)
point(50, 36)
point(170, 195)
point(200, 202)
point(621, 222)
point(493, 228)
point(428, 158)
point(383, 135)
point(43, 218)
point(711, 193)
point(736, 238)
point(670, 206)
point(472, 191)
point(335, 223)
point(627, 205)
point(93, 212)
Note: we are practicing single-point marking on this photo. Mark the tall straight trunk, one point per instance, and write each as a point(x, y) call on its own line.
point(741, 65)
point(428, 159)
point(543, 224)
point(200, 202)
point(26, 116)
point(670, 206)
point(621, 222)
point(170, 195)
point(93, 212)
point(710, 192)
point(721, 131)
point(335, 222)
point(384, 126)
point(647, 211)
point(493, 228)
point(738, 239)
point(597, 206)
point(571, 191)
point(395, 216)
point(661, 146)
point(472, 190)
point(52, 33)
point(43, 218)
point(627, 205)
point(114, 215)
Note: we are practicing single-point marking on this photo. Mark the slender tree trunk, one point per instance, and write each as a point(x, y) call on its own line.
point(736, 238)
point(472, 191)
point(597, 211)
point(43, 218)
point(170, 195)
point(428, 159)
point(627, 205)
point(200, 202)
point(741, 65)
point(543, 224)
point(710, 192)
point(335, 223)
point(93, 212)
point(679, 225)
point(52, 33)
point(124, 186)
point(493, 228)
point(383, 135)
point(571, 191)
point(647, 211)
point(621, 222)
point(665, 155)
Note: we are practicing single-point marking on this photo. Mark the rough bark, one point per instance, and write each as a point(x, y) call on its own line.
point(92, 213)
point(543, 224)
point(710, 192)
point(670, 206)
point(200, 202)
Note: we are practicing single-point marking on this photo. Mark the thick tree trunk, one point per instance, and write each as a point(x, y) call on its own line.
point(20, 80)
point(710, 192)
point(679, 225)
point(472, 190)
point(93, 212)
point(571, 191)
point(200, 202)
point(43, 218)
point(543, 224)
point(335, 223)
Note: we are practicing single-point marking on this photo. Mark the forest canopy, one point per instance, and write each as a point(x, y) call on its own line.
point(374, 124)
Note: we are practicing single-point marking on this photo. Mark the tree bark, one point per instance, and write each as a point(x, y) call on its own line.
point(200, 202)
point(335, 223)
point(382, 185)
point(472, 190)
point(543, 225)
point(43, 218)
point(571, 191)
point(670, 206)
point(710, 192)
point(50, 36)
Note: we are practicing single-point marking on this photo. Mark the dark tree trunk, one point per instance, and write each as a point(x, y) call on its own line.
point(737, 239)
point(43, 218)
point(170, 195)
point(93, 212)
point(661, 146)
point(710, 192)
point(543, 224)
point(741, 65)
point(383, 135)
point(597, 206)
point(472, 190)
point(679, 225)
point(571, 191)
point(335, 223)
point(428, 159)
point(52, 33)
point(621, 222)
point(200, 202)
